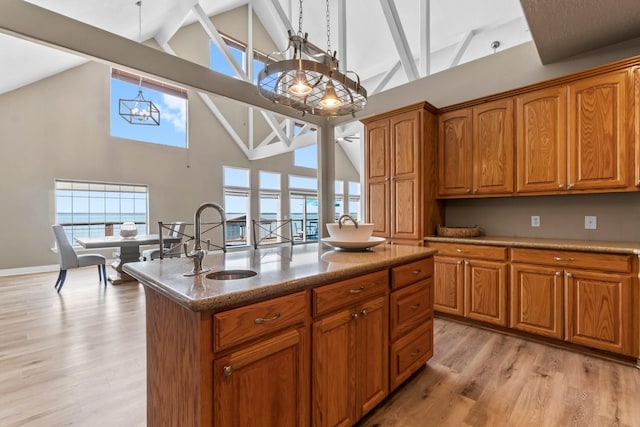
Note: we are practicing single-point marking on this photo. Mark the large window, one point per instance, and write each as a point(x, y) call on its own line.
point(304, 217)
point(306, 157)
point(236, 205)
point(238, 50)
point(339, 203)
point(355, 209)
point(170, 100)
point(97, 209)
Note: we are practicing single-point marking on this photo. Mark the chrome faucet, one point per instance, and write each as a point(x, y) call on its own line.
point(198, 254)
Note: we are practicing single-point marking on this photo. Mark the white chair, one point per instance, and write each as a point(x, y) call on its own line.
point(70, 259)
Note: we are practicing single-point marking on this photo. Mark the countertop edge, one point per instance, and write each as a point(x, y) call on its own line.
point(544, 243)
point(236, 299)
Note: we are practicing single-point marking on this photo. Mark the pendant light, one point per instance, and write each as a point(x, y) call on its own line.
point(139, 111)
point(310, 81)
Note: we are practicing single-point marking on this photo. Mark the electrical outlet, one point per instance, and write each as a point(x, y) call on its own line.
point(535, 220)
point(590, 222)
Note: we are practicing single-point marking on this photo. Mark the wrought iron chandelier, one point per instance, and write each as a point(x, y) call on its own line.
point(139, 111)
point(310, 81)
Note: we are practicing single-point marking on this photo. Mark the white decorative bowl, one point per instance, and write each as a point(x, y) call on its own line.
point(349, 232)
point(128, 229)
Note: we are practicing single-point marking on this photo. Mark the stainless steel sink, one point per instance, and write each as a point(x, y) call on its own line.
point(230, 274)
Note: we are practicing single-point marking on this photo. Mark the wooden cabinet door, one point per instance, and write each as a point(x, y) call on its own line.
point(599, 311)
point(454, 153)
point(448, 280)
point(493, 148)
point(537, 299)
point(405, 176)
point(541, 140)
point(265, 384)
point(636, 122)
point(486, 291)
point(333, 370)
point(372, 355)
point(597, 139)
point(377, 177)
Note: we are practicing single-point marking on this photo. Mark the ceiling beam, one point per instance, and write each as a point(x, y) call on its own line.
point(425, 37)
point(461, 48)
point(342, 34)
point(399, 38)
point(387, 78)
point(176, 18)
point(274, 20)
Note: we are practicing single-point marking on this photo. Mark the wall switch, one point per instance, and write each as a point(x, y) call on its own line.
point(535, 220)
point(590, 222)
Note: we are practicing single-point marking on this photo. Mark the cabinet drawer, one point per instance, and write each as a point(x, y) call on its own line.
point(245, 323)
point(494, 253)
point(411, 307)
point(569, 259)
point(410, 352)
point(410, 273)
point(330, 297)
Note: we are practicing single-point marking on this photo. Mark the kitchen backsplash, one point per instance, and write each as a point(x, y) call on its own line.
point(618, 216)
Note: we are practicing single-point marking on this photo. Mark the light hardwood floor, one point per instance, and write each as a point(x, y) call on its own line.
point(78, 358)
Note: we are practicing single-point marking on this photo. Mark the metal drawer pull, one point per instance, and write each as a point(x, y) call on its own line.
point(415, 353)
point(356, 291)
point(557, 258)
point(260, 320)
point(462, 251)
point(415, 272)
point(227, 371)
point(364, 312)
point(558, 273)
point(415, 306)
point(355, 316)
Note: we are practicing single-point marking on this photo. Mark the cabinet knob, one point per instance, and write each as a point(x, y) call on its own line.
point(364, 312)
point(459, 262)
point(355, 316)
point(261, 320)
point(466, 262)
point(415, 306)
point(570, 186)
point(227, 371)
point(415, 353)
point(560, 185)
point(558, 273)
point(468, 190)
point(569, 275)
point(356, 291)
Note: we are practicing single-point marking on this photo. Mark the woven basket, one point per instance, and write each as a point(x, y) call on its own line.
point(458, 231)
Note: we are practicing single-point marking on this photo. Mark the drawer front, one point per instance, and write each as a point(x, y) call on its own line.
point(245, 323)
point(572, 259)
point(494, 253)
point(330, 297)
point(410, 273)
point(411, 307)
point(410, 353)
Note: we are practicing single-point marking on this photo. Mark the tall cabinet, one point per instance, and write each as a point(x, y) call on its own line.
point(400, 179)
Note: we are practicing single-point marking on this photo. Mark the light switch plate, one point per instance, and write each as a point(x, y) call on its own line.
point(590, 222)
point(535, 220)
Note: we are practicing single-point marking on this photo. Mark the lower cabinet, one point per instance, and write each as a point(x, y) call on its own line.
point(263, 384)
point(471, 281)
point(350, 362)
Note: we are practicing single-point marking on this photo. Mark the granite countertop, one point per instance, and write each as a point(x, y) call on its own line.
point(281, 270)
point(544, 243)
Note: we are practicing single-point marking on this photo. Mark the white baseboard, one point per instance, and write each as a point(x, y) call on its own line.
point(29, 270)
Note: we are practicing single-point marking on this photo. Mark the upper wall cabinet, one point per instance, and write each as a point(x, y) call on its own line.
point(636, 122)
point(598, 150)
point(541, 140)
point(476, 150)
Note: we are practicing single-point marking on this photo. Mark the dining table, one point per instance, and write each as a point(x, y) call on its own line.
point(129, 250)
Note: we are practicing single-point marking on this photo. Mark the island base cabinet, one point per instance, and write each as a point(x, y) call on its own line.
point(349, 363)
point(411, 352)
point(264, 384)
point(599, 311)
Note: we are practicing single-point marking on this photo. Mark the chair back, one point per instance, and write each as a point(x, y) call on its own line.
point(66, 253)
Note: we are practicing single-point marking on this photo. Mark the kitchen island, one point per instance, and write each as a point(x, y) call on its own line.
point(316, 337)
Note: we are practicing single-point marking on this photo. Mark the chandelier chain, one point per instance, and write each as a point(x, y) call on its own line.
point(328, 30)
point(300, 20)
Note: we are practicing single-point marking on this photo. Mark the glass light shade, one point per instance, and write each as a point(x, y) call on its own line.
point(300, 86)
point(330, 99)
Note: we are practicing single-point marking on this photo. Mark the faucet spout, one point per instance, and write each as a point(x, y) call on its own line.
point(198, 254)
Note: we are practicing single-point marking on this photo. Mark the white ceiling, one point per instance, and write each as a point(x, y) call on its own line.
point(560, 29)
point(370, 47)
